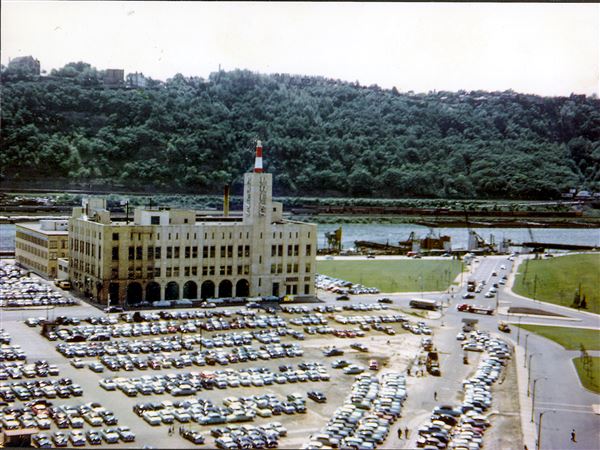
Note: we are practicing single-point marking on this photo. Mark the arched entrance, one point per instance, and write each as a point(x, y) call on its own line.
point(225, 289)
point(190, 290)
point(113, 293)
point(153, 292)
point(172, 291)
point(242, 288)
point(207, 290)
point(134, 293)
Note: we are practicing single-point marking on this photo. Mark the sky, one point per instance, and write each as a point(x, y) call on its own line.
point(545, 49)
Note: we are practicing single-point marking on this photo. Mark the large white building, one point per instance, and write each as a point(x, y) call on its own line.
point(168, 254)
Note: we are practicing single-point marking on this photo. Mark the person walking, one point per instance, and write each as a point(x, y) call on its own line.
point(435, 395)
point(399, 433)
point(573, 437)
point(406, 432)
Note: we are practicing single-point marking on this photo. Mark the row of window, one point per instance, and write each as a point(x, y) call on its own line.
point(34, 250)
point(292, 250)
point(85, 248)
point(175, 272)
point(33, 239)
point(133, 235)
point(208, 251)
point(291, 268)
point(32, 264)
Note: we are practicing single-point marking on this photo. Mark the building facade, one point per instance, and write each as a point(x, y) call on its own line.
point(39, 245)
point(25, 63)
point(169, 254)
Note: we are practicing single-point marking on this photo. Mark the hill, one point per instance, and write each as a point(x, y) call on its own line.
point(321, 137)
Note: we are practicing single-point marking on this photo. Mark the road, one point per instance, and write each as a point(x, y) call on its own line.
point(559, 394)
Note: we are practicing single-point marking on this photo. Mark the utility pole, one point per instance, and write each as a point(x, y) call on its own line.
point(533, 396)
point(519, 330)
point(539, 431)
point(525, 356)
point(529, 372)
point(534, 286)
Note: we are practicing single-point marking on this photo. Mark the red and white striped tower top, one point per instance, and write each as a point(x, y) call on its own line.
point(258, 163)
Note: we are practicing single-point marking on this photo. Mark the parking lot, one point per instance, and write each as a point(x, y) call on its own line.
point(227, 377)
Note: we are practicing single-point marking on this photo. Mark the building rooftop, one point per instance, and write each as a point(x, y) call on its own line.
point(37, 227)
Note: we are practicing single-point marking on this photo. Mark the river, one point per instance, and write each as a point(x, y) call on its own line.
point(393, 233)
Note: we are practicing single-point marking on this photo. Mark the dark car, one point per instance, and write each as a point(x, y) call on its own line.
point(385, 300)
point(343, 297)
point(317, 396)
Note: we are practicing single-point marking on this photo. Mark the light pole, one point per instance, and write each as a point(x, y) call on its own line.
point(533, 396)
point(539, 431)
point(519, 330)
point(525, 356)
point(529, 372)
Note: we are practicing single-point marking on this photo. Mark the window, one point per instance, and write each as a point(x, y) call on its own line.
point(306, 289)
point(273, 268)
point(296, 268)
point(131, 253)
point(204, 270)
point(154, 220)
point(289, 250)
point(130, 274)
point(114, 274)
point(222, 270)
point(115, 253)
point(246, 250)
point(157, 271)
point(211, 270)
point(213, 251)
point(239, 270)
point(195, 251)
point(247, 269)
point(169, 270)
point(186, 271)
point(169, 252)
point(280, 250)
point(176, 253)
point(222, 251)
point(289, 268)
point(115, 236)
point(279, 268)
point(157, 252)
point(188, 251)
point(205, 251)
point(307, 268)
point(240, 251)
point(194, 271)
point(308, 249)
point(273, 250)
point(296, 250)
point(230, 251)
point(176, 271)
point(138, 252)
point(229, 270)
point(150, 252)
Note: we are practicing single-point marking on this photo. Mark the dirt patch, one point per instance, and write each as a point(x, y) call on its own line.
point(533, 311)
point(505, 432)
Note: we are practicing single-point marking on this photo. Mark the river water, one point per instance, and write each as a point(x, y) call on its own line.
point(393, 233)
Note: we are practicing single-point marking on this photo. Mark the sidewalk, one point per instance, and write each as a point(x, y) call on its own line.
point(527, 427)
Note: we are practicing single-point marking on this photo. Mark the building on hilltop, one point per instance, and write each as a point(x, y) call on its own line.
point(136, 80)
point(39, 245)
point(26, 64)
point(113, 77)
point(170, 254)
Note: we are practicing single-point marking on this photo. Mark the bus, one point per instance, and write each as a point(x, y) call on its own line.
point(423, 303)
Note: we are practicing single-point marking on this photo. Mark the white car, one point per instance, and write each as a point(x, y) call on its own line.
point(460, 337)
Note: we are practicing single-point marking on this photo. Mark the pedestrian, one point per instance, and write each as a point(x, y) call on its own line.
point(573, 437)
point(400, 433)
point(406, 432)
point(435, 395)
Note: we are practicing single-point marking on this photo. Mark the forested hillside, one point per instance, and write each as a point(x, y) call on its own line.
point(320, 136)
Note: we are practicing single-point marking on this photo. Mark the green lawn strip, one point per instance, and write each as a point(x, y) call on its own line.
point(589, 374)
point(556, 280)
point(394, 275)
point(569, 338)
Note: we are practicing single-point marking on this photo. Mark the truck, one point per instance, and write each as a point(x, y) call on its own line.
point(471, 285)
point(432, 364)
point(477, 309)
point(424, 304)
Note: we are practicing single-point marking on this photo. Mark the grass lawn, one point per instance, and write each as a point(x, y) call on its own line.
point(394, 275)
point(569, 338)
point(589, 376)
point(557, 279)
